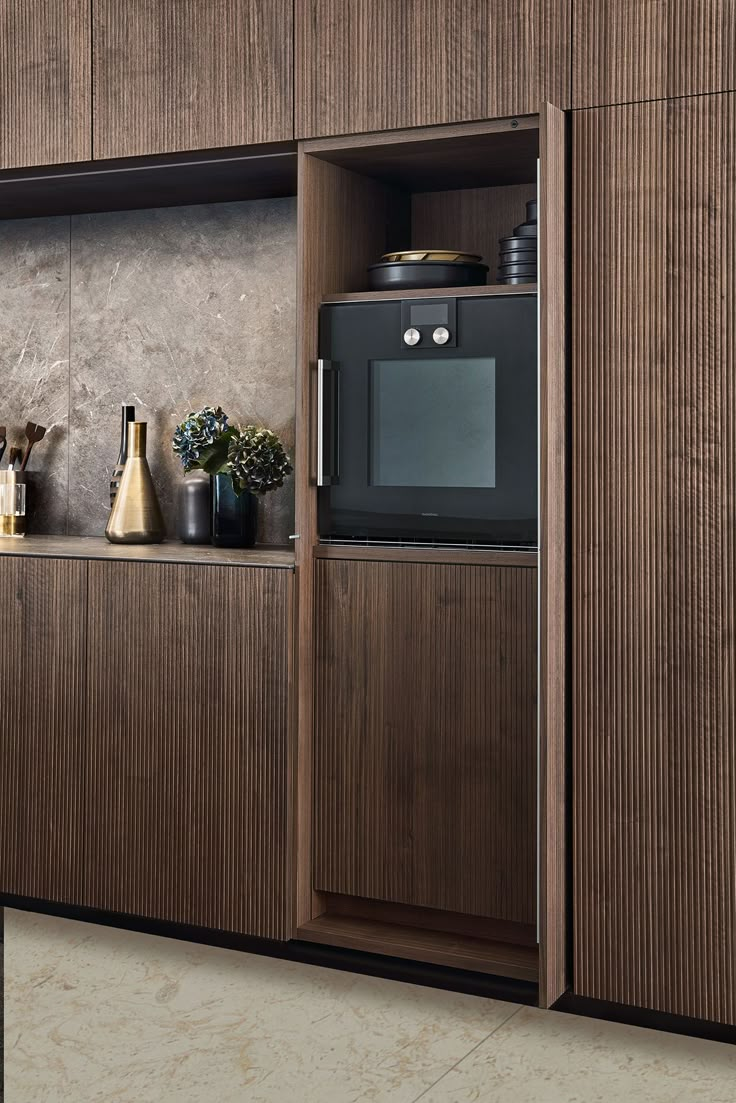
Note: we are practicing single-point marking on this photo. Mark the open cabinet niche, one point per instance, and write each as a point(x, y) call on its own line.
point(460, 187)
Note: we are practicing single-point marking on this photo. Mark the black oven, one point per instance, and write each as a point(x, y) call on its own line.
point(427, 412)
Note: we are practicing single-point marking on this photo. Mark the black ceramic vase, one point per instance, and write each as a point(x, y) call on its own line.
point(234, 519)
point(194, 514)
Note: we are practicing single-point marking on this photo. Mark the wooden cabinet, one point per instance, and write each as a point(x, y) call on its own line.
point(425, 741)
point(631, 50)
point(365, 65)
point(186, 74)
point(187, 812)
point(654, 555)
point(145, 747)
point(45, 82)
point(42, 688)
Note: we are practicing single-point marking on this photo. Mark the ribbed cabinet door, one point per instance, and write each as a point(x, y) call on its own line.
point(42, 732)
point(425, 744)
point(653, 555)
point(188, 727)
point(45, 82)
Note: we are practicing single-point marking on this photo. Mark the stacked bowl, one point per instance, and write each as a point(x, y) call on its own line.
point(518, 255)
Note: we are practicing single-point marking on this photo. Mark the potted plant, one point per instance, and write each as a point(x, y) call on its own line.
point(243, 462)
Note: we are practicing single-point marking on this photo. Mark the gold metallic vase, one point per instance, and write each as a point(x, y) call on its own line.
point(136, 515)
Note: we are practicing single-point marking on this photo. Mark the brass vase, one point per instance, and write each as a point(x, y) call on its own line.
point(136, 515)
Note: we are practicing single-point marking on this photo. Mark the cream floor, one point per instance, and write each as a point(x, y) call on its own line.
point(94, 1014)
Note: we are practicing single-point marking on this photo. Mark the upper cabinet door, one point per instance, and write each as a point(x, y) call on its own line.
point(366, 65)
point(625, 51)
point(45, 91)
point(191, 74)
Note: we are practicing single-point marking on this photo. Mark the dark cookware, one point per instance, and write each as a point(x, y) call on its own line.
point(528, 244)
point(407, 275)
point(517, 269)
point(519, 256)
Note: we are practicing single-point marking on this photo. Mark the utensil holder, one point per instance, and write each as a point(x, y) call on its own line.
point(12, 503)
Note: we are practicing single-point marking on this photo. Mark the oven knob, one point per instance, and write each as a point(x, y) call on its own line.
point(412, 336)
point(441, 335)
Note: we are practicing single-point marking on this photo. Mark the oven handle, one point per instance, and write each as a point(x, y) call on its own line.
point(328, 423)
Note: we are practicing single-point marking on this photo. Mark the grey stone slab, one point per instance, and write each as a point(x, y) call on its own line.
point(173, 309)
point(34, 356)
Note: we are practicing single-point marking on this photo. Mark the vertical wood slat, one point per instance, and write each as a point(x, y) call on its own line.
point(45, 82)
point(553, 659)
point(364, 65)
point(632, 50)
point(42, 686)
point(425, 738)
point(187, 762)
point(175, 75)
point(654, 492)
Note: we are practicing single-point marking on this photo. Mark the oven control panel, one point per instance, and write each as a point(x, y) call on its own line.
point(428, 323)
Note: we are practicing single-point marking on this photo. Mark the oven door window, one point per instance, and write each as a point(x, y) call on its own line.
point(433, 423)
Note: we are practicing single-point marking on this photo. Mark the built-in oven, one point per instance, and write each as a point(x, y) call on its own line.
point(427, 420)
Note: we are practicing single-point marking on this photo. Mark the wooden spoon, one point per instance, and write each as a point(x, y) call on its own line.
point(34, 433)
point(3, 440)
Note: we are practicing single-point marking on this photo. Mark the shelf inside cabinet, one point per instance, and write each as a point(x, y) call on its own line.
point(482, 291)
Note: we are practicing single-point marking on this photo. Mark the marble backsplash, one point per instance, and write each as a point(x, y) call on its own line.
point(170, 309)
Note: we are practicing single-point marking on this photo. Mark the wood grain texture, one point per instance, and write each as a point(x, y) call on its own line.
point(42, 685)
point(481, 291)
point(553, 482)
point(366, 65)
point(473, 557)
point(631, 50)
point(188, 815)
point(343, 220)
point(473, 219)
point(425, 737)
point(182, 74)
point(94, 547)
point(478, 955)
point(45, 82)
point(653, 556)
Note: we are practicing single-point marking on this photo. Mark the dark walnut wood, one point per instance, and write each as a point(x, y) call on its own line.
point(553, 592)
point(182, 74)
point(45, 82)
point(364, 65)
point(187, 774)
point(654, 556)
point(630, 50)
point(42, 683)
point(425, 738)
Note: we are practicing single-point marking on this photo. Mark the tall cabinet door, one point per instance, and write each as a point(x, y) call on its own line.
point(175, 75)
point(365, 65)
point(187, 763)
point(45, 82)
point(42, 683)
point(654, 555)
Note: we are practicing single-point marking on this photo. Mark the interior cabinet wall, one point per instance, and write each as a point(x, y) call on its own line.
point(425, 741)
point(45, 70)
point(364, 65)
point(654, 555)
point(42, 687)
point(182, 74)
point(631, 50)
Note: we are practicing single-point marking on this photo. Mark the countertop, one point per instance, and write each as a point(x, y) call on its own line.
point(97, 547)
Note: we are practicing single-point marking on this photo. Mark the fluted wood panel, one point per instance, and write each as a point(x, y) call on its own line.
point(632, 50)
point(187, 774)
point(42, 683)
point(366, 65)
point(45, 82)
point(653, 565)
point(425, 735)
point(186, 74)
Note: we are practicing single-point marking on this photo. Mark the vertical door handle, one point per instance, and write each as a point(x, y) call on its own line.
point(328, 419)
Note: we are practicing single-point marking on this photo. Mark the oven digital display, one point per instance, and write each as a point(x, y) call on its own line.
point(433, 422)
point(429, 314)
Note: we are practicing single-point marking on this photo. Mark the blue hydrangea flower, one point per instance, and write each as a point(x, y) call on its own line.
point(197, 432)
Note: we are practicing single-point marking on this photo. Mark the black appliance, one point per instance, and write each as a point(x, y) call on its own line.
point(427, 421)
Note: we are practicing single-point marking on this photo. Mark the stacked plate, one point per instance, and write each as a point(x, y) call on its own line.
point(518, 255)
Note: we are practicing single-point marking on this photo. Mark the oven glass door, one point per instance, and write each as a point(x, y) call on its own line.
point(432, 444)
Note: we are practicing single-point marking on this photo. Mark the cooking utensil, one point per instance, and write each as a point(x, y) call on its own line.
point(403, 275)
point(432, 254)
point(3, 440)
point(34, 433)
point(13, 455)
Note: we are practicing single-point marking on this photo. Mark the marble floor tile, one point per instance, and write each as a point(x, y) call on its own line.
point(99, 1014)
point(548, 1057)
